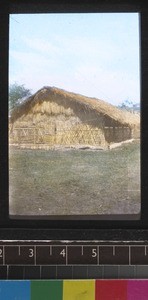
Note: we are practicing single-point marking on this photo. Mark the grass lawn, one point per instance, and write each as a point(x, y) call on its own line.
point(75, 182)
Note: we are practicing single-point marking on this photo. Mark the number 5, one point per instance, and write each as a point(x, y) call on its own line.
point(94, 252)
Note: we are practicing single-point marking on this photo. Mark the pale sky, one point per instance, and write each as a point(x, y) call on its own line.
point(94, 54)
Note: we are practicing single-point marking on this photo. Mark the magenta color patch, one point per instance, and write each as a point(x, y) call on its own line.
point(137, 290)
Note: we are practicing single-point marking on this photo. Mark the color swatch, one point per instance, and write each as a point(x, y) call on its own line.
point(74, 290)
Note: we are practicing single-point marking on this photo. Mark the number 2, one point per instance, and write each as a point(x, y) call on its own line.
point(1, 253)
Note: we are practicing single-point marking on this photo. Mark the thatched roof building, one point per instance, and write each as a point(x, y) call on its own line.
point(54, 116)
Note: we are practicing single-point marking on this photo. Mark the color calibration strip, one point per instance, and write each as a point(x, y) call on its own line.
point(74, 290)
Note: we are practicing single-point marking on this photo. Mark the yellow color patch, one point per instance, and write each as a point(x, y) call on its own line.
point(79, 290)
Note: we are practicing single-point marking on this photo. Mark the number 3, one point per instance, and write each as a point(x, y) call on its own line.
point(31, 252)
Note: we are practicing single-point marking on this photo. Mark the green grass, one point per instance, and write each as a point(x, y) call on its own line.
point(58, 182)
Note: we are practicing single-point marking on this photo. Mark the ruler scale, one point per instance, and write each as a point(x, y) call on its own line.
point(59, 259)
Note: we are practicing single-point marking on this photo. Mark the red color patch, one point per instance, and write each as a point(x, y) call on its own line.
point(111, 290)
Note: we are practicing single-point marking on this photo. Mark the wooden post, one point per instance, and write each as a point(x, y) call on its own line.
point(19, 136)
point(34, 136)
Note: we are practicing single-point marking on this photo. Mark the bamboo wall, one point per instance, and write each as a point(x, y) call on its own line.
point(117, 134)
point(49, 123)
point(77, 136)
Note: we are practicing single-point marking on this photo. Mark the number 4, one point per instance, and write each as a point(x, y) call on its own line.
point(63, 253)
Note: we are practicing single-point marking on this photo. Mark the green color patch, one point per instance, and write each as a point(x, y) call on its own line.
point(47, 290)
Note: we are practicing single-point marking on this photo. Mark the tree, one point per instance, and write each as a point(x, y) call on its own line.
point(130, 106)
point(17, 93)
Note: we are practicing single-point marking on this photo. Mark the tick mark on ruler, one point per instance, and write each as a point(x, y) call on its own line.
point(50, 250)
point(145, 250)
point(3, 255)
point(114, 250)
point(19, 250)
point(82, 250)
point(129, 255)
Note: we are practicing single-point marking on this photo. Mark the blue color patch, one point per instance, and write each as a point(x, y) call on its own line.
point(15, 290)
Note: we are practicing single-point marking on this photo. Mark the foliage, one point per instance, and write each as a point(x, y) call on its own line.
point(130, 106)
point(17, 93)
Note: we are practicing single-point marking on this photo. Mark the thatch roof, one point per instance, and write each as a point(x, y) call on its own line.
point(93, 104)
